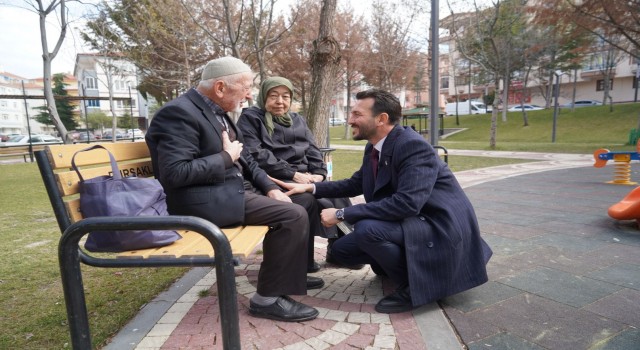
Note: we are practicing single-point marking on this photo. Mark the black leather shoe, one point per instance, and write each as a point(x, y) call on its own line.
point(315, 267)
point(314, 282)
point(333, 261)
point(284, 309)
point(398, 301)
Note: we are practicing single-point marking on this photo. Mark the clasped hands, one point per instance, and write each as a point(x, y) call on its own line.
point(306, 178)
point(327, 216)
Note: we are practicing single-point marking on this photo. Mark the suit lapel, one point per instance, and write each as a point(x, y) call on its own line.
point(207, 113)
point(384, 167)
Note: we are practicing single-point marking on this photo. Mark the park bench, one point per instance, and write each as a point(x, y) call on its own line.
point(14, 152)
point(19, 151)
point(202, 243)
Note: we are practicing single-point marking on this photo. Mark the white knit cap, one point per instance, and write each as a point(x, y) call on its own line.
point(224, 66)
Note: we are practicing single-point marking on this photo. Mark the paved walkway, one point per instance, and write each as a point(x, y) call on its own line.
point(563, 276)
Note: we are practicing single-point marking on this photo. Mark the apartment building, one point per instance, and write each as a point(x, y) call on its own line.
point(459, 79)
point(95, 73)
point(17, 112)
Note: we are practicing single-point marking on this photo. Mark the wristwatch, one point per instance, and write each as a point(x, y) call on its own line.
point(340, 214)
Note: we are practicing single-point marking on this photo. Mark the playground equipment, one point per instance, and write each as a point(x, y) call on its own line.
point(628, 208)
point(622, 173)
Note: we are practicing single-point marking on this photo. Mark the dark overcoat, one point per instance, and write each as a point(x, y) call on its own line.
point(191, 164)
point(414, 187)
point(287, 151)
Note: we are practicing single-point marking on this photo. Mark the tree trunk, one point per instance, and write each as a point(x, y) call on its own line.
point(47, 58)
point(575, 89)
point(325, 60)
point(494, 118)
point(348, 110)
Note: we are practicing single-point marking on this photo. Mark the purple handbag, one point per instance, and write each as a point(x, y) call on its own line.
point(122, 196)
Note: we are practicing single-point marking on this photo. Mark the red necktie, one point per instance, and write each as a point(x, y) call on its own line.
point(374, 162)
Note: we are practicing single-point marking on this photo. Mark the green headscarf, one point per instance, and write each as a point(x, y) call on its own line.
point(268, 84)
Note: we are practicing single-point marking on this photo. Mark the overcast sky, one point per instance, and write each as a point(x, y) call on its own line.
point(21, 50)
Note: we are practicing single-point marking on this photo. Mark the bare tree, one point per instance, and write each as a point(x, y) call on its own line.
point(392, 60)
point(489, 43)
point(160, 38)
point(621, 17)
point(352, 33)
point(266, 32)
point(293, 58)
point(325, 59)
point(43, 9)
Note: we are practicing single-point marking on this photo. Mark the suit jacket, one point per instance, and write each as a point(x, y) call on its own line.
point(414, 187)
point(185, 142)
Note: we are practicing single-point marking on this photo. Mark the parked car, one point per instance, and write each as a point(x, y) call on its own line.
point(35, 139)
point(107, 136)
point(465, 108)
point(135, 133)
point(6, 137)
point(583, 103)
point(83, 137)
point(336, 121)
point(518, 108)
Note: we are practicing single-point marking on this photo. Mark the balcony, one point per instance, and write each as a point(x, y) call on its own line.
point(595, 71)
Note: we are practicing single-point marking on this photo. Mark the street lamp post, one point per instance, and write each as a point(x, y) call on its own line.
point(133, 130)
point(86, 114)
point(26, 111)
point(635, 97)
point(558, 74)
point(434, 91)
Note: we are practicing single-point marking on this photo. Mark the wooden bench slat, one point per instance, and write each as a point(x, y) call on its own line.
point(60, 155)
point(176, 249)
point(243, 242)
point(69, 180)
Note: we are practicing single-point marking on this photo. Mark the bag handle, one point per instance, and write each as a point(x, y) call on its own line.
point(114, 164)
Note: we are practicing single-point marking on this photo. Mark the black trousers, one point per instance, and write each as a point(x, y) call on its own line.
point(312, 207)
point(284, 266)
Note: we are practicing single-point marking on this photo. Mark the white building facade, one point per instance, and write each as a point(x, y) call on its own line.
point(16, 112)
point(95, 73)
point(459, 79)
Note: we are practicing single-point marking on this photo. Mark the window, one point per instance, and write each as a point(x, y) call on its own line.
point(91, 83)
point(120, 104)
point(93, 103)
point(121, 85)
point(462, 80)
point(597, 62)
point(600, 85)
point(444, 82)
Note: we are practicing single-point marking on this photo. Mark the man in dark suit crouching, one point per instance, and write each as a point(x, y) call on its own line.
point(198, 155)
point(417, 226)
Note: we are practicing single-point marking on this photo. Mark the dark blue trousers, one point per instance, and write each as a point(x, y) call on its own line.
point(378, 243)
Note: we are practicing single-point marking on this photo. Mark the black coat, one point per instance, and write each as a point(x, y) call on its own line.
point(185, 142)
point(289, 150)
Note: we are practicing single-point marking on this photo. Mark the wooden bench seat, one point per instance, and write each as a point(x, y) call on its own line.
point(243, 242)
point(202, 243)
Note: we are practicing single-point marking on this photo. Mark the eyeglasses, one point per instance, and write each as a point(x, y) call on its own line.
point(244, 88)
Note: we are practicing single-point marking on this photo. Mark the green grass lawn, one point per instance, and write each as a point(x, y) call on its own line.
point(33, 311)
point(582, 131)
point(31, 298)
